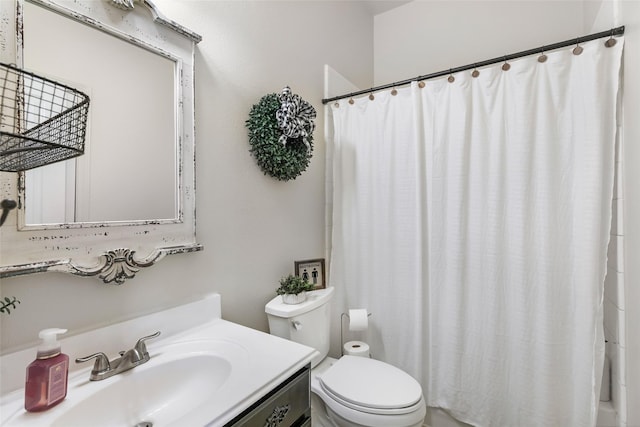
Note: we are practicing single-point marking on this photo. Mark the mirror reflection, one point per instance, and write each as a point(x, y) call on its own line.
point(129, 170)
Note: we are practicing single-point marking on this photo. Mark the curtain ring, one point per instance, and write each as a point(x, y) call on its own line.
point(451, 79)
point(542, 58)
point(421, 84)
point(506, 66)
point(475, 73)
point(578, 49)
point(394, 92)
point(611, 41)
point(351, 101)
point(371, 97)
point(336, 104)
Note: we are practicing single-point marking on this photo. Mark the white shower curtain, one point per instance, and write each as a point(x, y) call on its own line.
point(472, 218)
point(378, 217)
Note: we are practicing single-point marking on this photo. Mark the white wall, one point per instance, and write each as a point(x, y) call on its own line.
point(437, 35)
point(628, 13)
point(253, 227)
point(598, 16)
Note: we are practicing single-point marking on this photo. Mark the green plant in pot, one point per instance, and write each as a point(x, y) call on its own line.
point(293, 289)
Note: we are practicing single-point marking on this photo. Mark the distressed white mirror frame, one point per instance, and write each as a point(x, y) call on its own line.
point(111, 251)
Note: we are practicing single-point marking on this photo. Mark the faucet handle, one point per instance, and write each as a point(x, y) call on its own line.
point(141, 347)
point(100, 366)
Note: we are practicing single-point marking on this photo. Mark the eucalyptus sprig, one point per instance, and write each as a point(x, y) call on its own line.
point(294, 285)
point(8, 302)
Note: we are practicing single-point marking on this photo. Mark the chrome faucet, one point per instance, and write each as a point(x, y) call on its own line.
point(103, 368)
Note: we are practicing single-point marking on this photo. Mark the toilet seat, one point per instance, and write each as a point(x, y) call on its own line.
point(371, 386)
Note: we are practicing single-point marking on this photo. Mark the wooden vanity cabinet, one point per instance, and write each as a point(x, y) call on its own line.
point(287, 405)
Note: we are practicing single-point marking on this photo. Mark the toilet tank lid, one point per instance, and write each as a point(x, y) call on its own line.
point(314, 299)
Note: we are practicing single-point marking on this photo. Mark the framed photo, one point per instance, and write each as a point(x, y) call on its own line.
point(312, 270)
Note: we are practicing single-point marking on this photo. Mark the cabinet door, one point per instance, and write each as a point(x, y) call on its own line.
point(288, 405)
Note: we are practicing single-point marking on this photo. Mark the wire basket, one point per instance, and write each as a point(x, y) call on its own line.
point(41, 121)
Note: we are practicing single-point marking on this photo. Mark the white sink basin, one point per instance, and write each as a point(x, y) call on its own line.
point(177, 380)
point(203, 371)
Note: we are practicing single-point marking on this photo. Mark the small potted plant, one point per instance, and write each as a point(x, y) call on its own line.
point(294, 289)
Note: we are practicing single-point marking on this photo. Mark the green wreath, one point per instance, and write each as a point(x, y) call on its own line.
point(283, 161)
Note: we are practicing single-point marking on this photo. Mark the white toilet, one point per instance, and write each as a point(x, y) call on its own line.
point(355, 391)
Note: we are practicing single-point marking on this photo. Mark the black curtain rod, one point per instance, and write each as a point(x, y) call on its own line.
point(613, 32)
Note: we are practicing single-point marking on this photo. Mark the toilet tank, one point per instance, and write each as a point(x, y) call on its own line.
point(306, 323)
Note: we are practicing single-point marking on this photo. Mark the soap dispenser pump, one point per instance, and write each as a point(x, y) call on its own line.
point(46, 383)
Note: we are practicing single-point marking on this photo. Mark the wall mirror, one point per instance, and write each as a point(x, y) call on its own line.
point(129, 200)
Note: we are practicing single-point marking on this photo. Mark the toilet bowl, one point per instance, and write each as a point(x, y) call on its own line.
point(353, 391)
point(358, 392)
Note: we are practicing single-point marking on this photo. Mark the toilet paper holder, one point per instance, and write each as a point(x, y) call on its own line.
point(342, 316)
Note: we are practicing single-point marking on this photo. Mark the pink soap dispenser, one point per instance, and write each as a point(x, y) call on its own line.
point(46, 383)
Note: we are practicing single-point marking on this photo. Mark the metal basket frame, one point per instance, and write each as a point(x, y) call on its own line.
point(41, 121)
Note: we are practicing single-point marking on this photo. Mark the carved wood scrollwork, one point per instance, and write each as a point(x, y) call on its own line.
point(157, 16)
point(123, 4)
point(119, 265)
point(277, 416)
point(115, 266)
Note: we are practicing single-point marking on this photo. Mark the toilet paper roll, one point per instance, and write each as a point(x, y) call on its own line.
point(358, 319)
point(356, 348)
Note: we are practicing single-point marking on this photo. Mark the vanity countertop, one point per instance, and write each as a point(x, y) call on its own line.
point(259, 362)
